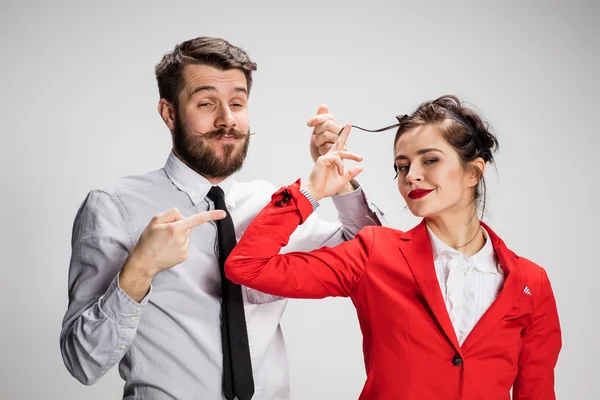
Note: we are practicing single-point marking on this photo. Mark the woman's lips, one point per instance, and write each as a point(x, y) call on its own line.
point(418, 193)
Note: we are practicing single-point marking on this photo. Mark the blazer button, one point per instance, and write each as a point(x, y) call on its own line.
point(456, 360)
point(286, 197)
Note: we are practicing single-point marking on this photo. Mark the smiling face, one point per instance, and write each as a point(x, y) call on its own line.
point(431, 176)
point(210, 123)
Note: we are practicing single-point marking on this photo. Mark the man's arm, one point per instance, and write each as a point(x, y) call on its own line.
point(109, 285)
point(354, 209)
point(101, 320)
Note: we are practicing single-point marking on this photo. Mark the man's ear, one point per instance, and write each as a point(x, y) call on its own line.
point(167, 113)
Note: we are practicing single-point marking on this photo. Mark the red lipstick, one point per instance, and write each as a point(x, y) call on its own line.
point(418, 193)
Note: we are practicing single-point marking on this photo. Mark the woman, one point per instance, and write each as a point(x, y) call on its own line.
point(447, 311)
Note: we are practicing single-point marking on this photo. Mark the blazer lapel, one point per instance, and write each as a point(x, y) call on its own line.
point(416, 248)
point(512, 289)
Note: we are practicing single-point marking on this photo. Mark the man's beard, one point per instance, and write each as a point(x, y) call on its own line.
point(197, 154)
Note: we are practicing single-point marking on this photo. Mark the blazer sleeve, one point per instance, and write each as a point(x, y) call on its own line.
point(541, 346)
point(255, 263)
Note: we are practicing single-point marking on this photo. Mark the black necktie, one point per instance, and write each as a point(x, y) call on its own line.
point(237, 367)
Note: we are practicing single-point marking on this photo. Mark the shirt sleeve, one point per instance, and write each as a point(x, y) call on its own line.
point(355, 212)
point(255, 262)
point(101, 319)
point(541, 346)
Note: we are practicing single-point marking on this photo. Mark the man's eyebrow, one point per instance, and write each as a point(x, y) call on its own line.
point(201, 88)
point(209, 88)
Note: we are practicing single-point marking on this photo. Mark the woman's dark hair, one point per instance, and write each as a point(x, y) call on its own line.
point(462, 128)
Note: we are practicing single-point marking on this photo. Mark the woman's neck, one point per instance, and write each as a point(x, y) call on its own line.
point(461, 231)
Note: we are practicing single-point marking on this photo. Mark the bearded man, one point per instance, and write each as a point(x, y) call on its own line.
point(146, 284)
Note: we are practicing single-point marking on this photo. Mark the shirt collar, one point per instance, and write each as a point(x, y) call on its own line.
point(484, 260)
point(193, 184)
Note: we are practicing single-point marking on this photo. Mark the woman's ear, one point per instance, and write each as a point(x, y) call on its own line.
point(476, 171)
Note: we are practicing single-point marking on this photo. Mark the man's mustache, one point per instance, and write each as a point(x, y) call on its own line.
point(219, 133)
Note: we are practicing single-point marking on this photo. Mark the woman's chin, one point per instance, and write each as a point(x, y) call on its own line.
point(420, 212)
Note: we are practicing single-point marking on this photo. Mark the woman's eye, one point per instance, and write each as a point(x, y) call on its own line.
point(431, 161)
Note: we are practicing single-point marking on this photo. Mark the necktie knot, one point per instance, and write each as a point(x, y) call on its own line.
point(216, 193)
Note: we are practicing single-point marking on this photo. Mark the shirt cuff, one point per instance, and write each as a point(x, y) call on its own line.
point(120, 307)
point(310, 198)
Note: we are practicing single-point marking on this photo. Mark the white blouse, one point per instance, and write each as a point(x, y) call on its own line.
point(469, 285)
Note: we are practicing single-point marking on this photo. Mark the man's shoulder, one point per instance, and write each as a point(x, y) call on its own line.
point(137, 183)
point(132, 190)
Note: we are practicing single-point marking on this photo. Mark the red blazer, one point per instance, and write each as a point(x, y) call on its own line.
point(410, 348)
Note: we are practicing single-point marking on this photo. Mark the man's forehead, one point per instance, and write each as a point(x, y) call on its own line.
point(228, 80)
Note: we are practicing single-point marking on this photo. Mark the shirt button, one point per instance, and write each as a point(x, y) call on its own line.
point(133, 318)
point(457, 361)
point(122, 347)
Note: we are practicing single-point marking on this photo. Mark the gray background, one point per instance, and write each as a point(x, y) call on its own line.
point(78, 103)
